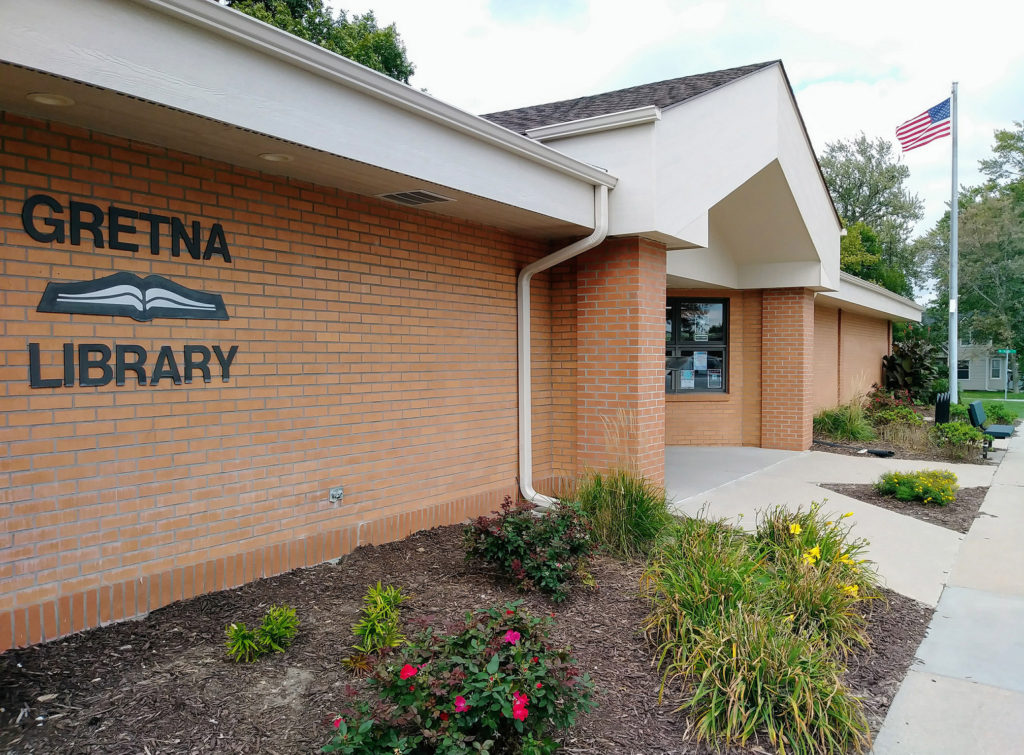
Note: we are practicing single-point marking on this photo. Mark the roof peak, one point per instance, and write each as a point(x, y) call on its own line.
point(660, 93)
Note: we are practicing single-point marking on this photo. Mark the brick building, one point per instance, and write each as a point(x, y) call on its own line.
point(262, 305)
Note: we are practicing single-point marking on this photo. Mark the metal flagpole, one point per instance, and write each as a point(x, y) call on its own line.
point(954, 210)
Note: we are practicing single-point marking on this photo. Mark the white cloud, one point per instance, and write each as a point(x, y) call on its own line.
point(863, 66)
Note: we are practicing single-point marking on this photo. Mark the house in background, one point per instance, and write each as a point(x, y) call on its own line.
point(263, 305)
point(980, 367)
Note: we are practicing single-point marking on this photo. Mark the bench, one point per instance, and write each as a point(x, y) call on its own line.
point(978, 417)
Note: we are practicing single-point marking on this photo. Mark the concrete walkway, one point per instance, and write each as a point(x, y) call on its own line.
point(914, 557)
point(966, 692)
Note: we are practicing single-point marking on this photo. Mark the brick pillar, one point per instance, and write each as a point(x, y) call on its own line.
point(787, 368)
point(621, 354)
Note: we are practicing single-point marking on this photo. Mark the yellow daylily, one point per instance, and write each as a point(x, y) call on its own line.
point(795, 528)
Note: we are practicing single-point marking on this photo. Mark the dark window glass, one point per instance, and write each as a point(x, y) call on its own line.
point(696, 345)
point(963, 370)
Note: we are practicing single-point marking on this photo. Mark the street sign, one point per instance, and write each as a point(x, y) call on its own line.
point(1007, 351)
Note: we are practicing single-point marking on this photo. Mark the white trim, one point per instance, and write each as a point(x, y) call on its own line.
point(622, 119)
point(274, 42)
point(871, 297)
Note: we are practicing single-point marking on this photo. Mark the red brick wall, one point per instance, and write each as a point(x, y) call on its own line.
point(377, 349)
point(732, 418)
point(621, 356)
point(787, 358)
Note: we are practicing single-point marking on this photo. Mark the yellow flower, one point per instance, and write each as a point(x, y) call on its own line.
point(791, 617)
point(847, 514)
point(734, 650)
point(795, 528)
point(846, 560)
point(828, 524)
point(851, 590)
point(812, 555)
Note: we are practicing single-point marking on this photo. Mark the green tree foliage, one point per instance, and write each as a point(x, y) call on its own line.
point(991, 251)
point(860, 254)
point(358, 38)
point(868, 187)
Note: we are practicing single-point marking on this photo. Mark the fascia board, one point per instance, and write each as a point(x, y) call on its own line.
point(279, 44)
point(581, 126)
point(869, 296)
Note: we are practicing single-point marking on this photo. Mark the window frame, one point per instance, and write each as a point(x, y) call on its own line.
point(997, 373)
point(963, 365)
point(675, 346)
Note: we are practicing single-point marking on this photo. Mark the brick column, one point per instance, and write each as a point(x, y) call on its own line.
point(787, 368)
point(621, 355)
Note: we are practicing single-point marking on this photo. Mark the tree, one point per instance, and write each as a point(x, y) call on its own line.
point(867, 186)
point(359, 38)
point(860, 254)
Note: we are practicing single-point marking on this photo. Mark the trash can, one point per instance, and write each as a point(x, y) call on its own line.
point(942, 408)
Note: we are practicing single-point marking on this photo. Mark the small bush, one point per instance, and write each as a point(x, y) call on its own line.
point(378, 627)
point(756, 675)
point(936, 486)
point(846, 422)
point(626, 512)
point(274, 634)
point(496, 682)
point(958, 413)
point(996, 413)
point(881, 399)
point(898, 415)
point(958, 439)
point(540, 552)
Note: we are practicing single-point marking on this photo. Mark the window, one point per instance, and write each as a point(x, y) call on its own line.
point(696, 345)
point(963, 370)
point(996, 365)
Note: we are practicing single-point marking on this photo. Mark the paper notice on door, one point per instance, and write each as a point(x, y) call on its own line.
point(700, 361)
point(686, 380)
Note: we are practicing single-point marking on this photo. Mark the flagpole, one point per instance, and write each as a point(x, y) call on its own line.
point(954, 211)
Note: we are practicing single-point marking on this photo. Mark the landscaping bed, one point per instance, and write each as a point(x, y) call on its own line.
point(957, 516)
point(163, 684)
point(854, 448)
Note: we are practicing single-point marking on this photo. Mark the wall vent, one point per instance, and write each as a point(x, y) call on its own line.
point(415, 198)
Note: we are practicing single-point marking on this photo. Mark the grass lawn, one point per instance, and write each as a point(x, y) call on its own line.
point(1011, 406)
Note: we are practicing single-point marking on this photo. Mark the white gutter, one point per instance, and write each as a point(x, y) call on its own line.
point(595, 124)
point(523, 311)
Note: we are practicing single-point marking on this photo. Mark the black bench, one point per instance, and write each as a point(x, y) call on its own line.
point(977, 414)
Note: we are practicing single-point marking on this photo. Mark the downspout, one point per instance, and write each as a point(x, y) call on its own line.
point(523, 308)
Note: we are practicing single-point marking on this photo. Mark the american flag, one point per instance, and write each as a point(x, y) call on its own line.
point(932, 124)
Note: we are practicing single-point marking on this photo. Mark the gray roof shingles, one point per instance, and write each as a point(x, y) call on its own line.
point(660, 93)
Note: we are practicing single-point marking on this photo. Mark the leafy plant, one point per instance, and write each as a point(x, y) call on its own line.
point(495, 684)
point(626, 511)
point(540, 552)
point(378, 627)
point(897, 415)
point(997, 413)
point(846, 422)
point(274, 634)
point(960, 440)
point(912, 366)
point(243, 643)
point(936, 486)
point(279, 627)
point(880, 399)
point(958, 413)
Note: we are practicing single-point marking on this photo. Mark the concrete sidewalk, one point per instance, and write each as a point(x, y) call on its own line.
point(966, 692)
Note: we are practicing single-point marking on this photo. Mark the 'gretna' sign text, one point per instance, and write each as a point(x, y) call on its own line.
point(46, 221)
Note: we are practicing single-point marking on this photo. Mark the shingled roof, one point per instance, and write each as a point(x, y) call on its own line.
point(660, 93)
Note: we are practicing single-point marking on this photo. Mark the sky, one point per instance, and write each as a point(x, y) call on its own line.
point(854, 66)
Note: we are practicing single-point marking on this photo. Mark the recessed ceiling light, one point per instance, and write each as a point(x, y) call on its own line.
point(51, 99)
point(276, 157)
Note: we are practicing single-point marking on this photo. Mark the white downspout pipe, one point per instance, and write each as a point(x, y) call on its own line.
point(523, 309)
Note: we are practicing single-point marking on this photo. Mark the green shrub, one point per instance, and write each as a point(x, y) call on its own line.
point(958, 439)
point(243, 644)
point(626, 512)
point(274, 634)
point(846, 422)
point(378, 627)
point(497, 682)
point(881, 399)
point(958, 413)
point(898, 415)
point(912, 366)
point(996, 413)
point(936, 486)
point(756, 675)
point(540, 552)
point(938, 385)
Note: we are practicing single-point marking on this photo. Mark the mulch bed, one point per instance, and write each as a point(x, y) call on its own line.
point(957, 516)
point(852, 448)
point(162, 684)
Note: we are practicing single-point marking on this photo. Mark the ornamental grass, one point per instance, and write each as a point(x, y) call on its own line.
point(750, 629)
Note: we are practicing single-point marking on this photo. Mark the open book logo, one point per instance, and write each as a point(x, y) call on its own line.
point(128, 295)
